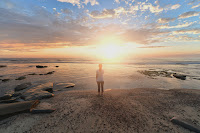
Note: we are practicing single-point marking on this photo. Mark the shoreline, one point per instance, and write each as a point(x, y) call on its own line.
point(118, 110)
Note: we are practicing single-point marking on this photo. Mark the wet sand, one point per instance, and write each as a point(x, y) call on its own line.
point(130, 110)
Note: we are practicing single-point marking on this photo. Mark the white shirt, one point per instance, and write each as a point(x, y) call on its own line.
point(100, 75)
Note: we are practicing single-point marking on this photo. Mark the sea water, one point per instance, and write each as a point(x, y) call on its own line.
point(118, 75)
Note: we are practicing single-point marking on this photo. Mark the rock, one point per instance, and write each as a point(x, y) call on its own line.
point(56, 66)
point(11, 92)
point(19, 100)
point(11, 108)
point(36, 111)
point(154, 73)
point(6, 97)
point(16, 94)
point(22, 86)
point(5, 80)
point(32, 74)
point(179, 76)
point(21, 78)
point(36, 95)
point(185, 124)
point(38, 66)
point(39, 92)
point(197, 78)
point(8, 101)
point(50, 72)
point(61, 86)
point(43, 107)
point(2, 66)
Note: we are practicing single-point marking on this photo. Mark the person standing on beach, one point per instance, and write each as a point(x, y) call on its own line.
point(99, 78)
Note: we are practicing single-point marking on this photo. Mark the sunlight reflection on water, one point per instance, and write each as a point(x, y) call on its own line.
point(117, 76)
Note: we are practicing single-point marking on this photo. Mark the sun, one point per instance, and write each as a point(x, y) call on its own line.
point(110, 51)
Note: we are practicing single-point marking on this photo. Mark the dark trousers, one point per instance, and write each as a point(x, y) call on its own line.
point(100, 85)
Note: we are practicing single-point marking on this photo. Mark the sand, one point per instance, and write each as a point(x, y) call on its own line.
point(132, 110)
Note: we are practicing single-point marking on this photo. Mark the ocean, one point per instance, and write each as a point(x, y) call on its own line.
point(127, 74)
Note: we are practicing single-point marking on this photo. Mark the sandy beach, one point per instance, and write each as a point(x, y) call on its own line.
point(130, 110)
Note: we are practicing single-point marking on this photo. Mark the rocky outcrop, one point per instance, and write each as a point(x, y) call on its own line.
point(32, 74)
point(153, 73)
point(6, 97)
point(11, 108)
point(61, 86)
point(2, 66)
point(47, 73)
point(43, 107)
point(38, 92)
point(38, 66)
point(22, 86)
point(50, 72)
point(5, 80)
point(179, 76)
point(21, 78)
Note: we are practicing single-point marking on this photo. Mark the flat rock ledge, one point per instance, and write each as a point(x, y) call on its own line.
point(38, 92)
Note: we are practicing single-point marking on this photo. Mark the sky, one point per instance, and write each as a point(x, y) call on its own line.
point(94, 28)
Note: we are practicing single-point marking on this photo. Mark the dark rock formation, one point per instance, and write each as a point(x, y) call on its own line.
point(38, 66)
point(186, 125)
point(43, 107)
point(21, 78)
point(11, 108)
point(39, 92)
point(179, 76)
point(5, 80)
point(2, 66)
point(32, 74)
point(6, 97)
point(36, 111)
point(50, 72)
point(61, 86)
point(22, 86)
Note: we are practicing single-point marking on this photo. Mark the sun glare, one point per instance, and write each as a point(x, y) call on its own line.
point(110, 51)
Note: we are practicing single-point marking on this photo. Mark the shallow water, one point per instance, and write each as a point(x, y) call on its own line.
point(82, 73)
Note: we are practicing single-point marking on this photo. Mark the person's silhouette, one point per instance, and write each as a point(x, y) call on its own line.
point(99, 78)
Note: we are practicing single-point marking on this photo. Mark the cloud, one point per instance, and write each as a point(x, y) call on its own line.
point(113, 13)
point(73, 2)
point(195, 6)
point(66, 11)
point(117, 1)
point(182, 38)
point(176, 6)
point(154, 47)
point(187, 31)
point(40, 30)
point(165, 20)
point(143, 36)
point(79, 2)
point(176, 26)
point(189, 14)
point(106, 13)
point(156, 9)
point(192, 2)
point(92, 2)
point(148, 6)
